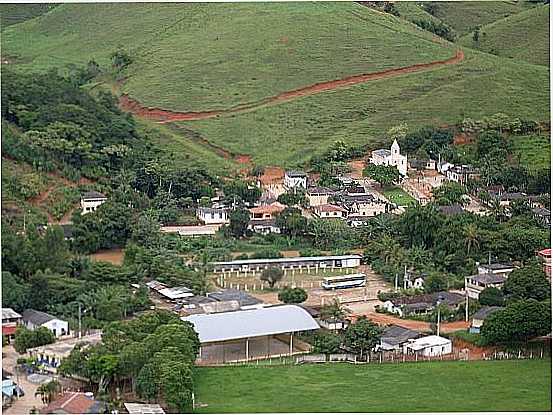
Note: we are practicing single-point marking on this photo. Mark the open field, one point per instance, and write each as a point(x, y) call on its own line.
point(534, 151)
point(411, 387)
point(11, 14)
point(398, 196)
point(192, 57)
point(464, 16)
point(522, 37)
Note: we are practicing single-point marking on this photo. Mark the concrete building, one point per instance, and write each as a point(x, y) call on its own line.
point(251, 334)
point(318, 195)
point(497, 269)
point(213, 216)
point(475, 284)
point(264, 226)
point(545, 256)
point(90, 201)
point(10, 321)
point(330, 211)
point(295, 179)
point(266, 211)
point(394, 337)
point(392, 157)
point(33, 319)
point(462, 174)
point(429, 346)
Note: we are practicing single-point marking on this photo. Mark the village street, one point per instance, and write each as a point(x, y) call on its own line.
point(24, 404)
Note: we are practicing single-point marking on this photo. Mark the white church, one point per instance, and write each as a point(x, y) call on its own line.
point(391, 157)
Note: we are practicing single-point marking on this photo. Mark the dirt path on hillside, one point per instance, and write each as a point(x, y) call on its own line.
point(164, 116)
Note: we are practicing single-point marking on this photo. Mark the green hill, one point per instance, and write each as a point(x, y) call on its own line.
point(11, 14)
point(523, 36)
point(464, 16)
point(191, 57)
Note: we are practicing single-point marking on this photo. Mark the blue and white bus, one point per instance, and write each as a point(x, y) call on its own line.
point(344, 281)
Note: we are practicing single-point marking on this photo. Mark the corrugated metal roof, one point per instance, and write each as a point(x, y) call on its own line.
point(251, 323)
point(9, 313)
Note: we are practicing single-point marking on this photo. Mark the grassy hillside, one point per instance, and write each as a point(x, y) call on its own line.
point(464, 16)
point(534, 151)
point(422, 387)
point(523, 36)
point(212, 56)
point(290, 133)
point(11, 14)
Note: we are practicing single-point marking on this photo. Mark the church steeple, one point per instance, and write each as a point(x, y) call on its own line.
point(395, 147)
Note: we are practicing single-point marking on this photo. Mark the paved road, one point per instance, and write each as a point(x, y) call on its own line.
point(24, 404)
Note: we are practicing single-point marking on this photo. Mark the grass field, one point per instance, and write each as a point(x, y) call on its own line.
point(11, 14)
point(523, 36)
point(412, 387)
point(534, 151)
point(464, 16)
point(213, 56)
point(288, 134)
point(398, 196)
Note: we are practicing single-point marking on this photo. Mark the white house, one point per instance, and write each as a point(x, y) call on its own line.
point(318, 196)
point(33, 319)
point(429, 346)
point(330, 211)
point(293, 179)
point(212, 216)
point(391, 157)
point(91, 200)
point(497, 269)
point(461, 174)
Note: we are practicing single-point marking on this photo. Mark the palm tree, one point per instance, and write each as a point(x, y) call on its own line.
point(333, 311)
point(471, 237)
point(497, 210)
point(48, 391)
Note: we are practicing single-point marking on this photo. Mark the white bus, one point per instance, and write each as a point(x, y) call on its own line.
point(344, 281)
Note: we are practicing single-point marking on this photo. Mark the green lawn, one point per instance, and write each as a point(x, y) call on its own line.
point(412, 387)
point(523, 36)
point(398, 196)
point(534, 151)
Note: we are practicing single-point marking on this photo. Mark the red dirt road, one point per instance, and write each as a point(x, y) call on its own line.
point(128, 104)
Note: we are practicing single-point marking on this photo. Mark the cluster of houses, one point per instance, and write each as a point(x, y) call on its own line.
point(32, 320)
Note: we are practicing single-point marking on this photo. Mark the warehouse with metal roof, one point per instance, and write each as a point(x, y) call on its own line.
point(251, 334)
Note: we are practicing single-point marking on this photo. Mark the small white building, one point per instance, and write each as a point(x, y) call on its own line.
point(429, 346)
point(264, 226)
point(461, 174)
point(213, 216)
point(391, 157)
point(294, 179)
point(91, 200)
point(330, 211)
point(496, 269)
point(33, 319)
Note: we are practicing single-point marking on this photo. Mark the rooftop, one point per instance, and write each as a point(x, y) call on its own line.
point(295, 173)
point(451, 210)
point(382, 152)
point(143, 408)
point(176, 292)
point(37, 317)
point(430, 299)
point(231, 294)
point(428, 341)
point(74, 403)
point(484, 312)
point(488, 278)
point(251, 323)
point(63, 348)
point(288, 259)
point(329, 208)
point(497, 266)
point(8, 313)
point(396, 335)
point(93, 195)
point(275, 207)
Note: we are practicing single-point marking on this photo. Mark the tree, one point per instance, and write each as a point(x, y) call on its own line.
point(121, 59)
point(272, 275)
point(419, 225)
point(384, 175)
point(362, 336)
point(27, 339)
point(292, 295)
point(293, 198)
point(398, 132)
point(519, 321)
point(450, 193)
point(491, 296)
point(48, 391)
point(471, 237)
point(527, 282)
point(291, 222)
point(15, 292)
point(333, 311)
point(239, 219)
point(435, 282)
point(145, 230)
point(326, 343)
point(476, 34)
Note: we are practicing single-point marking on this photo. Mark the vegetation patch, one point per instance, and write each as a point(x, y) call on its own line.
point(398, 196)
point(533, 151)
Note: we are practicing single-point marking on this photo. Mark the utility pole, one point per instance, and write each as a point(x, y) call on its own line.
point(466, 302)
point(395, 283)
point(80, 332)
point(438, 326)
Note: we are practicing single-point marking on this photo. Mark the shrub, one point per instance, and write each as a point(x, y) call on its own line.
point(292, 295)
